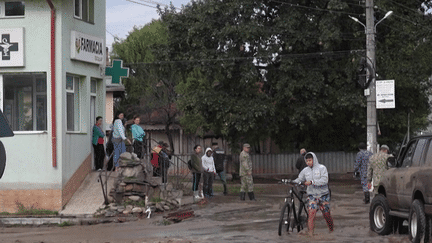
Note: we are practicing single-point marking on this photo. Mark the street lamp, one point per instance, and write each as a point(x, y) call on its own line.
point(370, 93)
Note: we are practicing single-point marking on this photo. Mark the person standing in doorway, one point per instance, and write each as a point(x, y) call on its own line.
point(219, 160)
point(118, 138)
point(209, 172)
point(361, 166)
point(138, 135)
point(301, 162)
point(246, 173)
point(98, 144)
point(196, 165)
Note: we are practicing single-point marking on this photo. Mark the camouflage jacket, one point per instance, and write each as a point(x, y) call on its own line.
point(245, 163)
point(377, 166)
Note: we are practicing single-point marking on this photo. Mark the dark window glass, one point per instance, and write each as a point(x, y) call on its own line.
point(419, 152)
point(77, 8)
point(14, 8)
point(24, 107)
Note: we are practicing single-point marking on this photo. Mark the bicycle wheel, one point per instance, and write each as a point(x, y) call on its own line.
point(284, 218)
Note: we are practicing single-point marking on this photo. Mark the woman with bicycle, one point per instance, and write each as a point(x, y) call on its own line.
point(315, 177)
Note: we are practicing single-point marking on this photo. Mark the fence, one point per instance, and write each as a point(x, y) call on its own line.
point(273, 164)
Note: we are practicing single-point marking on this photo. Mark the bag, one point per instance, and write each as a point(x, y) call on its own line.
point(100, 141)
point(189, 164)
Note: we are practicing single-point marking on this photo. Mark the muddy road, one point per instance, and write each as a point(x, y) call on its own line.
point(224, 219)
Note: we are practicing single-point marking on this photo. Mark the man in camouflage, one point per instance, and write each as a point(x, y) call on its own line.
point(246, 173)
point(377, 167)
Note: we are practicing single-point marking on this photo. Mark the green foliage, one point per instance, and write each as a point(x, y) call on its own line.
point(156, 199)
point(140, 203)
point(65, 224)
point(32, 210)
point(251, 70)
point(151, 89)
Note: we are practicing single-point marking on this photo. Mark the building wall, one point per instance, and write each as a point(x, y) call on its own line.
point(29, 176)
point(77, 146)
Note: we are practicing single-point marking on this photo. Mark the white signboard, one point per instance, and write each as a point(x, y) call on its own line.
point(87, 48)
point(12, 47)
point(385, 94)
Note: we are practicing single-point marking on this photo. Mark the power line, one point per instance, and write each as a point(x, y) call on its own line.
point(141, 4)
point(298, 55)
point(316, 9)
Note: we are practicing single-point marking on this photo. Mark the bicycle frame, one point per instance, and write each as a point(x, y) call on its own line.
point(289, 208)
point(293, 191)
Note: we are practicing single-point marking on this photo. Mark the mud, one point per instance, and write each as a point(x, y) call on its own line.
point(224, 219)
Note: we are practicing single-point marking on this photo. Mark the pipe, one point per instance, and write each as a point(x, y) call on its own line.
point(53, 90)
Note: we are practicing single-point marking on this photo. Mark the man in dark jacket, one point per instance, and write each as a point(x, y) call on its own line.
point(301, 163)
point(361, 165)
point(196, 172)
point(219, 161)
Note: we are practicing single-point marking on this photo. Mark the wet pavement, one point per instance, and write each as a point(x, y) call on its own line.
point(224, 219)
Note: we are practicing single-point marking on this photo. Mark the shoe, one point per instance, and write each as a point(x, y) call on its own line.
point(367, 198)
point(242, 196)
point(251, 196)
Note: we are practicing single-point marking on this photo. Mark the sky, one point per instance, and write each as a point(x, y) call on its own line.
point(123, 15)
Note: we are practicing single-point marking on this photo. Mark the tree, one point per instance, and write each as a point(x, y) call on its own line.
point(151, 89)
point(285, 70)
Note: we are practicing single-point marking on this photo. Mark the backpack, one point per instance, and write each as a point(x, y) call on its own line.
point(189, 164)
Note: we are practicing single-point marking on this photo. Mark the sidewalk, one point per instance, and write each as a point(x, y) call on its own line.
point(81, 207)
point(89, 197)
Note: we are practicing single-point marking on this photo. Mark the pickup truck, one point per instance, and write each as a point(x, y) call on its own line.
point(405, 192)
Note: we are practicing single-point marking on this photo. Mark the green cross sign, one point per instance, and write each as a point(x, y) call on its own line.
point(117, 71)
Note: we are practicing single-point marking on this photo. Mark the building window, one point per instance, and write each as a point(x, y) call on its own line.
point(12, 9)
point(25, 101)
point(72, 103)
point(84, 10)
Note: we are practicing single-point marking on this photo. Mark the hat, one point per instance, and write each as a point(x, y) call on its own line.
point(385, 147)
point(246, 145)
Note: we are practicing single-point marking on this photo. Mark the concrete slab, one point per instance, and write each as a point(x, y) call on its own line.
point(89, 196)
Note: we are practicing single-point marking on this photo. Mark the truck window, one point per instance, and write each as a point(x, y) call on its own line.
point(417, 158)
point(429, 154)
point(407, 159)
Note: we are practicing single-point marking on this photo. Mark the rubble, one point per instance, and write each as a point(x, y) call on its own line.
point(137, 192)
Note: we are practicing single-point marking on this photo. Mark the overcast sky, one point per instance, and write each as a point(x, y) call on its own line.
point(122, 16)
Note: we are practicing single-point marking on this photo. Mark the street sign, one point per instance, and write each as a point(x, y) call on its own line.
point(385, 94)
point(117, 71)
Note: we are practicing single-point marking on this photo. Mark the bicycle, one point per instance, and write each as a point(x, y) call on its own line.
point(289, 216)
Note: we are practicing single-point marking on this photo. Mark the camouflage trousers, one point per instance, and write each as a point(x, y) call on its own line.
point(246, 181)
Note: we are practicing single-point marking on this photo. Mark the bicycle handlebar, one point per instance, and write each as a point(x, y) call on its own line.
point(291, 182)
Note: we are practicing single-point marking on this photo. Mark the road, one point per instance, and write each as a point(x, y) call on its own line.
point(224, 219)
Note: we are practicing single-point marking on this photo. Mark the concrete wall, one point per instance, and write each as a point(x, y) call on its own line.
point(29, 153)
point(29, 175)
point(77, 145)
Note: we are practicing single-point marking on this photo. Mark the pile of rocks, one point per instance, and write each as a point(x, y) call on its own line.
point(136, 191)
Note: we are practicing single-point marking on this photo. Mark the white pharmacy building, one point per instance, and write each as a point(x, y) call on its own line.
point(52, 58)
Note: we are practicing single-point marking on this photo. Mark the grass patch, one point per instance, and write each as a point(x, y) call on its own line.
point(156, 199)
point(5, 213)
point(65, 224)
point(140, 203)
point(32, 210)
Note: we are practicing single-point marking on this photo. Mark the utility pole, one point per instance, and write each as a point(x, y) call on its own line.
point(371, 95)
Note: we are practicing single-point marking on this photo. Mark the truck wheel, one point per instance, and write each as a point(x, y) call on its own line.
point(417, 221)
point(379, 218)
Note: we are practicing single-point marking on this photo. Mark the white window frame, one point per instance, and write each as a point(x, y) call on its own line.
point(80, 9)
point(34, 96)
point(3, 10)
point(89, 15)
point(76, 91)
